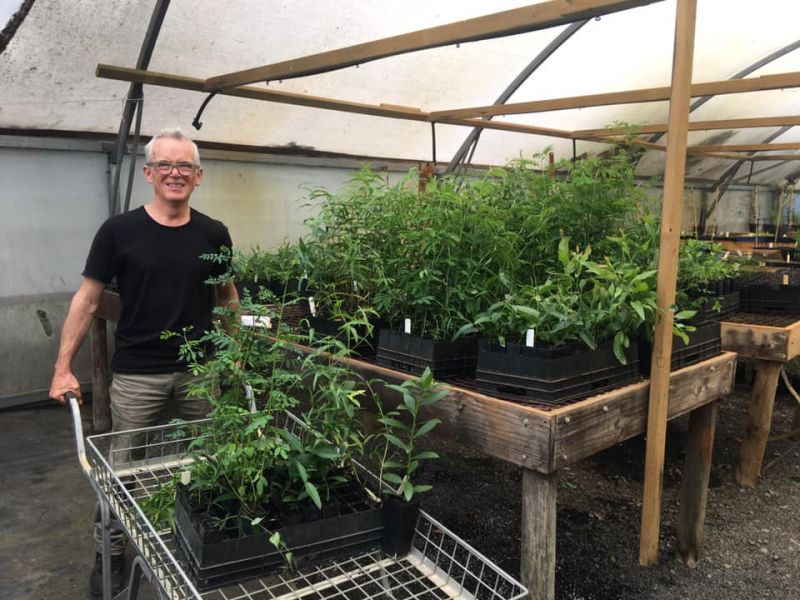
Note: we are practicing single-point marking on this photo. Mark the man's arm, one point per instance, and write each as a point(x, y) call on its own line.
point(81, 311)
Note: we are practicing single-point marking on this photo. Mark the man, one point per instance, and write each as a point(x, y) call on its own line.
point(154, 253)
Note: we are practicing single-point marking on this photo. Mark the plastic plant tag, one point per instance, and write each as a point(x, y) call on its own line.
point(186, 477)
point(256, 321)
point(529, 337)
point(312, 306)
point(770, 244)
point(407, 326)
point(726, 255)
point(739, 252)
point(785, 280)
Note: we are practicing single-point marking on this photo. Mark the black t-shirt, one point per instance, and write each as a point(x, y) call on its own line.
point(161, 278)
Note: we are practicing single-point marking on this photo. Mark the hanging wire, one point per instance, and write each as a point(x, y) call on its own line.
point(196, 123)
point(134, 152)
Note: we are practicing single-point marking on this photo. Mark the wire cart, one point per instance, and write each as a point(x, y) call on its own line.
point(439, 566)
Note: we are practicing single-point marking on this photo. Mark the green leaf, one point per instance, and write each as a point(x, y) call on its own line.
point(392, 422)
point(425, 455)
point(394, 440)
point(637, 306)
point(426, 427)
point(418, 489)
point(393, 478)
point(312, 492)
point(408, 490)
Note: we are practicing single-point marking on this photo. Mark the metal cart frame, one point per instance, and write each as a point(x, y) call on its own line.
point(127, 467)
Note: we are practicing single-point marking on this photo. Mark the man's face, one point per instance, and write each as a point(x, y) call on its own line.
point(172, 187)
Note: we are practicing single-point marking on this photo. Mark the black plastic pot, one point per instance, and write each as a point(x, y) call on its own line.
point(399, 524)
point(412, 354)
point(553, 375)
point(704, 342)
point(215, 557)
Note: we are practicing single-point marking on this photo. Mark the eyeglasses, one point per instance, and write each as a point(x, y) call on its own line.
point(165, 167)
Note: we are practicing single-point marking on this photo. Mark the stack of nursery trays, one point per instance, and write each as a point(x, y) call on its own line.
point(722, 303)
point(413, 354)
point(553, 375)
point(770, 298)
point(350, 523)
point(704, 342)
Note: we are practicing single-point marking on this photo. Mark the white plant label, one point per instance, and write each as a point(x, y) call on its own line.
point(739, 252)
point(770, 244)
point(407, 326)
point(186, 477)
point(785, 280)
point(312, 306)
point(256, 321)
point(726, 255)
point(529, 337)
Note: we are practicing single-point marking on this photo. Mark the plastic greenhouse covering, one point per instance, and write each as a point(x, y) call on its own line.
point(48, 76)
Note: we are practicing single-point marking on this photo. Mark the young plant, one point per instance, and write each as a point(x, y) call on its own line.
point(400, 457)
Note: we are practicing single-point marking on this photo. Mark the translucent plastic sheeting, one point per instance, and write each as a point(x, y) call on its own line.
point(48, 68)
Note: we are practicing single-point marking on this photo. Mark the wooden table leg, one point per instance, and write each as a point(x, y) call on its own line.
point(538, 560)
point(759, 420)
point(694, 490)
point(101, 406)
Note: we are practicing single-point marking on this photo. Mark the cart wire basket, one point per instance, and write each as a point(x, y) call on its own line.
point(127, 467)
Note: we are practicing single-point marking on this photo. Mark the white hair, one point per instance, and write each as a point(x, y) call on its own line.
point(175, 133)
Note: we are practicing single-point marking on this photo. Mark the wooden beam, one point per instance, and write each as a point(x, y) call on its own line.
point(780, 344)
point(510, 22)
point(750, 84)
point(759, 422)
point(743, 147)
point(696, 126)
point(378, 110)
point(674, 170)
point(538, 544)
point(694, 488)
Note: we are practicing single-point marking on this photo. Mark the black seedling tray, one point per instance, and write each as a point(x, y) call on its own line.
point(770, 298)
point(728, 306)
point(412, 354)
point(553, 375)
point(704, 342)
point(215, 557)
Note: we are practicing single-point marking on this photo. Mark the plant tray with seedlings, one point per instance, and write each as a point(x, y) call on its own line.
point(770, 298)
point(718, 308)
point(348, 524)
point(705, 342)
point(553, 375)
point(413, 354)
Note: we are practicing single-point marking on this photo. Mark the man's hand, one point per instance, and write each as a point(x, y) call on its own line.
point(62, 383)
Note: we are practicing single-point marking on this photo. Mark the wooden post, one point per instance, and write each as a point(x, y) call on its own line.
point(101, 406)
point(694, 490)
point(674, 170)
point(538, 557)
point(759, 421)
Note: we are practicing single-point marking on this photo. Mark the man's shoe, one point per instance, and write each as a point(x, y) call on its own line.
point(96, 578)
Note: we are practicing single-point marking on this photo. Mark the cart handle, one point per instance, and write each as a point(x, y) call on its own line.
point(78, 425)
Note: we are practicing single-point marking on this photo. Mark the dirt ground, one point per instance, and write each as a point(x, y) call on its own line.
point(752, 536)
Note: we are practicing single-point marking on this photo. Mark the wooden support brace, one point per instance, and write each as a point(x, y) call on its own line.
point(694, 490)
point(674, 170)
point(101, 405)
point(759, 420)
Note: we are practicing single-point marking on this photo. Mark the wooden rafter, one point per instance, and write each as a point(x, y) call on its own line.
point(379, 110)
point(510, 22)
point(751, 84)
point(744, 147)
point(697, 126)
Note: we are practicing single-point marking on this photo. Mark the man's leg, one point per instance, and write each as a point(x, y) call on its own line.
point(136, 401)
point(188, 407)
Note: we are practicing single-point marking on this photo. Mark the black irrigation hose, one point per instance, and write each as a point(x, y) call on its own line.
point(196, 123)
